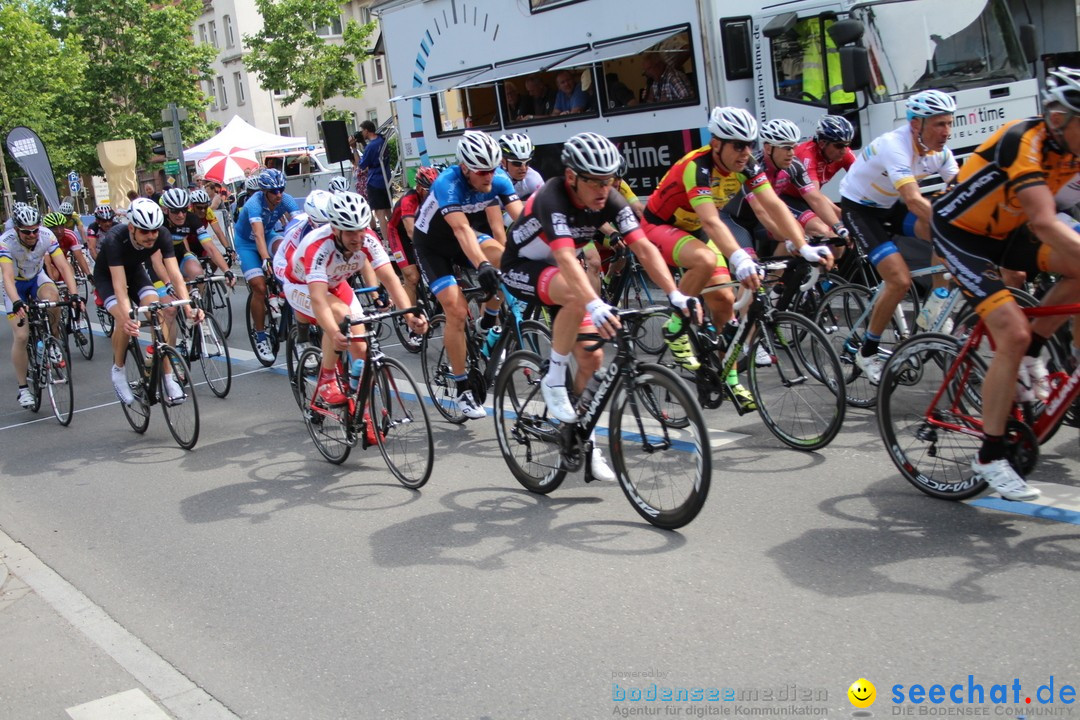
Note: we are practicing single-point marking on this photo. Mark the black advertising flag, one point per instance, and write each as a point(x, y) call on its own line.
point(27, 149)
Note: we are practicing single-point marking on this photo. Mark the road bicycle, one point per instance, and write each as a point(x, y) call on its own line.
point(630, 287)
point(658, 443)
point(483, 362)
point(146, 372)
point(277, 317)
point(929, 408)
point(48, 361)
point(384, 407)
point(204, 342)
point(217, 300)
point(75, 323)
point(800, 394)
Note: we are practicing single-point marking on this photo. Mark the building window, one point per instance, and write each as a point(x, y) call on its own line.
point(223, 95)
point(241, 96)
point(361, 72)
point(284, 126)
point(331, 30)
point(230, 39)
point(365, 16)
point(378, 64)
point(279, 93)
point(211, 94)
point(202, 33)
point(373, 116)
point(213, 33)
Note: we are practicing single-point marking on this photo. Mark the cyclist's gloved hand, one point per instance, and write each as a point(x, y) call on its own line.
point(601, 313)
point(743, 265)
point(686, 303)
point(17, 306)
point(841, 232)
point(488, 277)
point(815, 253)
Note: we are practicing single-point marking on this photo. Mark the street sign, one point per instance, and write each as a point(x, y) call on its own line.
point(75, 186)
point(73, 176)
point(172, 167)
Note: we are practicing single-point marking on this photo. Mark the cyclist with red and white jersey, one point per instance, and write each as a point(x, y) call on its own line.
point(23, 250)
point(317, 284)
point(828, 152)
point(401, 227)
point(880, 198)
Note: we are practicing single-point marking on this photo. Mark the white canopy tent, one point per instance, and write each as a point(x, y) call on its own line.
point(239, 134)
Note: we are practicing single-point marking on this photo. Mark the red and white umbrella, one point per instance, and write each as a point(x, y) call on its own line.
point(227, 167)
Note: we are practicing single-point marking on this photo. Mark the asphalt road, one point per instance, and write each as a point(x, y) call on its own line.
point(286, 587)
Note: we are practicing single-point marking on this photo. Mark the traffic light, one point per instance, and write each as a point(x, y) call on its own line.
point(170, 143)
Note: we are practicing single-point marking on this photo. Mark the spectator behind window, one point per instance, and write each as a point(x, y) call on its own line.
point(571, 98)
point(666, 82)
point(618, 94)
point(543, 104)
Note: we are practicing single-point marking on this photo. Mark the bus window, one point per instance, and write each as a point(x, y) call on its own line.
point(466, 108)
point(663, 74)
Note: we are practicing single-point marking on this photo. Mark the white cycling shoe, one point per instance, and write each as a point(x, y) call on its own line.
point(558, 402)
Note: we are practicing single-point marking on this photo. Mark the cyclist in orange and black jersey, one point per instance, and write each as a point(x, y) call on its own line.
point(1011, 180)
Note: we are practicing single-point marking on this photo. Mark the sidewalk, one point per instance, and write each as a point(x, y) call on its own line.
point(61, 656)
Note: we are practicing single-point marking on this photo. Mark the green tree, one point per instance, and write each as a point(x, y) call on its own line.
point(142, 56)
point(43, 83)
point(289, 56)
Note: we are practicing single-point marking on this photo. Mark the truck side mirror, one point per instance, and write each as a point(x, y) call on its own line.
point(780, 25)
point(1029, 42)
point(846, 31)
point(854, 68)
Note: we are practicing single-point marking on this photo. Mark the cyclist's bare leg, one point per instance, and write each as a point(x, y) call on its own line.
point(257, 288)
point(18, 347)
point(1012, 334)
point(1065, 291)
point(49, 293)
point(330, 348)
point(456, 309)
point(894, 271)
point(410, 279)
point(493, 251)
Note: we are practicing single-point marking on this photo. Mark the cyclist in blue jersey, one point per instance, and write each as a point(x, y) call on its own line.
point(463, 195)
point(255, 242)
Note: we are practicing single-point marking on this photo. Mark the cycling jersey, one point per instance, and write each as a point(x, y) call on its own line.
point(1021, 154)
point(68, 240)
point(117, 249)
point(529, 184)
point(317, 258)
point(890, 162)
point(628, 192)
point(401, 247)
point(821, 170)
point(551, 221)
point(450, 193)
point(291, 237)
point(695, 180)
point(256, 211)
point(793, 181)
point(28, 262)
point(1068, 197)
point(188, 237)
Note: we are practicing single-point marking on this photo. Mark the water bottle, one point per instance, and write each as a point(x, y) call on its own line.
point(590, 390)
point(149, 358)
point(356, 369)
point(491, 340)
point(933, 306)
point(40, 351)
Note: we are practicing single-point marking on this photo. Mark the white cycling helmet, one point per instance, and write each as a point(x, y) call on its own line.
point(516, 146)
point(252, 183)
point(1063, 88)
point(591, 154)
point(338, 184)
point(929, 103)
point(732, 123)
point(26, 216)
point(65, 208)
point(145, 214)
point(477, 150)
point(782, 133)
point(349, 211)
point(175, 199)
point(317, 206)
point(200, 197)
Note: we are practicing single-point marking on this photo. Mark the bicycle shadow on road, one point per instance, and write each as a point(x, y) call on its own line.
point(484, 528)
point(905, 544)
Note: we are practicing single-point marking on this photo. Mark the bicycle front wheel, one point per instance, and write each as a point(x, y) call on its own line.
point(401, 424)
point(664, 468)
point(843, 314)
point(800, 396)
point(328, 427)
point(930, 443)
point(221, 307)
point(271, 334)
point(138, 412)
point(528, 438)
point(213, 355)
point(57, 378)
point(182, 411)
point(84, 334)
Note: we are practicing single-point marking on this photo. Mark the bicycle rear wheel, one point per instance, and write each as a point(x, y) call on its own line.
point(138, 412)
point(271, 333)
point(436, 367)
point(83, 333)
point(57, 379)
point(800, 397)
point(221, 307)
point(105, 320)
point(838, 316)
point(528, 438)
point(213, 355)
point(665, 470)
point(401, 424)
point(182, 415)
point(328, 427)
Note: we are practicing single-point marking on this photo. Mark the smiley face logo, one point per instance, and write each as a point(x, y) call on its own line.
point(862, 693)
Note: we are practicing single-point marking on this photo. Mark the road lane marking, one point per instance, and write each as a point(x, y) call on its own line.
point(129, 705)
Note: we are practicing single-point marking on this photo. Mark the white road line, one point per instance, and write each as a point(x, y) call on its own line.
point(129, 705)
point(178, 694)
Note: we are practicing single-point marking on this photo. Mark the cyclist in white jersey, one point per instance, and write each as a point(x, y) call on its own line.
point(880, 198)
